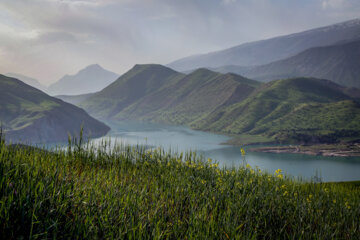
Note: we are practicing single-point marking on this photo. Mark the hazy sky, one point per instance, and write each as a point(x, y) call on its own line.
point(46, 39)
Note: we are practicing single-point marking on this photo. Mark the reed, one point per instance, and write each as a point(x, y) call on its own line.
point(130, 192)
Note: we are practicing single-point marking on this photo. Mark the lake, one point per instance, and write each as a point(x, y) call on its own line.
point(180, 138)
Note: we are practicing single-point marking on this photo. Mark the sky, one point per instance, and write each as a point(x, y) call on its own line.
point(46, 39)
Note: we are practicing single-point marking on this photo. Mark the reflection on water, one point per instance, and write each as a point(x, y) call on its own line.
point(181, 138)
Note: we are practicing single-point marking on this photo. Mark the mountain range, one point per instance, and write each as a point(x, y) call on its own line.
point(274, 49)
point(295, 104)
point(298, 109)
point(90, 79)
point(338, 63)
point(29, 115)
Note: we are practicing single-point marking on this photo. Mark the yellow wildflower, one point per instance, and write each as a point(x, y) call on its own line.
point(242, 151)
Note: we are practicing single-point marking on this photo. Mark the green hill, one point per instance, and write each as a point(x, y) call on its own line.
point(192, 98)
point(157, 93)
point(140, 81)
point(339, 63)
point(293, 110)
point(299, 110)
point(27, 114)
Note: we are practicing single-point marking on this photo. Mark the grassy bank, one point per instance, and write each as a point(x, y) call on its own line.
point(133, 193)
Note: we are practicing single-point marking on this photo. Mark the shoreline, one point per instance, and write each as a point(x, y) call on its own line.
point(328, 150)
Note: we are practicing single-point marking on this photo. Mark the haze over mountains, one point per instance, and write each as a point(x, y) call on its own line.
point(266, 51)
point(29, 115)
point(88, 80)
point(303, 106)
point(339, 63)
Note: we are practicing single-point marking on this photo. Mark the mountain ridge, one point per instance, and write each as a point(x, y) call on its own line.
point(265, 51)
point(338, 63)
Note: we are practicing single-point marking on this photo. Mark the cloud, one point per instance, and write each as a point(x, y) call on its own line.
point(333, 3)
point(52, 37)
point(344, 5)
point(228, 2)
point(49, 38)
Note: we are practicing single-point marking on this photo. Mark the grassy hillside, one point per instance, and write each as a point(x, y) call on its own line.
point(304, 110)
point(157, 93)
point(299, 109)
point(339, 63)
point(134, 193)
point(140, 81)
point(28, 114)
point(190, 98)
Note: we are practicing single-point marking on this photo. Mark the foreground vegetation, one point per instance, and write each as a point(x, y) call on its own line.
point(133, 192)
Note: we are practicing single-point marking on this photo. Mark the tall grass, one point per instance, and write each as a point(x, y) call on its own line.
point(133, 193)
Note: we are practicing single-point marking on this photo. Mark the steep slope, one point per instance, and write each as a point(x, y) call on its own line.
point(339, 63)
point(138, 82)
point(301, 109)
point(28, 80)
point(266, 51)
point(191, 98)
point(88, 80)
point(27, 114)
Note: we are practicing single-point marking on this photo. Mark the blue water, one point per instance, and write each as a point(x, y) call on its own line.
point(180, 138)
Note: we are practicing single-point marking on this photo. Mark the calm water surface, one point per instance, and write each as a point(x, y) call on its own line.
point(181, 138)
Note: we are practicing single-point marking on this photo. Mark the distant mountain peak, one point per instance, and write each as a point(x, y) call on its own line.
point(93, 66)
point(92, 78)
